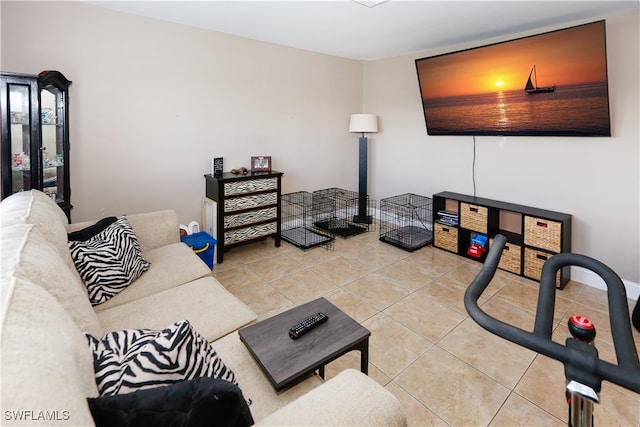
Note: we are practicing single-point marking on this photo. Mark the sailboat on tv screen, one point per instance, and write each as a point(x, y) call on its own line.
point(532, 85)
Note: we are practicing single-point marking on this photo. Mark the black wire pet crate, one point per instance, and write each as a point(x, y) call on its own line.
point(334, 211)
point(297, 222)
point(405, 221)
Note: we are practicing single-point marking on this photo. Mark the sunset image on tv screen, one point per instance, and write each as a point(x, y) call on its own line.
point(548, 84)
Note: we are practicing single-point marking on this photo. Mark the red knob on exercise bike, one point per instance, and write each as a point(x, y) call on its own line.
point(582, 329)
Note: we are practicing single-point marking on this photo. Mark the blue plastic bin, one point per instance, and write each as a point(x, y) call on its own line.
point(203, 244)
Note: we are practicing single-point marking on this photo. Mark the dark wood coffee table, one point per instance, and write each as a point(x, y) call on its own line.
point(286, 361)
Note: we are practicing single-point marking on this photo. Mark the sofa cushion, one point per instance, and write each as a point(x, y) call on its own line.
point(192, 403)
point(255, 384)
point(171, 265)
point(35, 207)
point(27, 254)
point(47, 369)
point(209, 307)
point(349, 399)
point(138, 359)
point(109, 261)
point(91, 230)
point(156, 229)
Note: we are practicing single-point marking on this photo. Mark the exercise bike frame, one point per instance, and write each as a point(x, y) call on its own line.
point(580, 359)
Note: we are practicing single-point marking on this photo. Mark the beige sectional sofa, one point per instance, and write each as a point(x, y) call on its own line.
point(46, 365)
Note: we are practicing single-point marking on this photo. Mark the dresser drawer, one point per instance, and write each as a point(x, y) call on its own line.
point(252, 217)
point(250, 186)
point(234, 204)
point(542, 233)
point(248, 233)
point(446, 237)
point(474, 217)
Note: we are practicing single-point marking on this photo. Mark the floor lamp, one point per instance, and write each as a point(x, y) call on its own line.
point(363, 123)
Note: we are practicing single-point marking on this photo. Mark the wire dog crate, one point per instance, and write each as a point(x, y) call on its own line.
point(334, 210)
point(405, 221)
point(297, 222)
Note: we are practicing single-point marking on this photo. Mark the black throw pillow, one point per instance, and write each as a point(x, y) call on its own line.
point(199, 402)
point(92, 230)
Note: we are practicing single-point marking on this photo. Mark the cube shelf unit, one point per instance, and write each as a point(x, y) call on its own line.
point(533, 235)
point(334, 211)
point(406, 221)
point(297, 222)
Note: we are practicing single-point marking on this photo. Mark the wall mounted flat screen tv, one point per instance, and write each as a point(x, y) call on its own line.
point(552, 84)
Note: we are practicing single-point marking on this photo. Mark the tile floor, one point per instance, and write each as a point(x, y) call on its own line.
point(424, 348)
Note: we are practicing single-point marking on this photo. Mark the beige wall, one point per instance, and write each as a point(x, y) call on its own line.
point(596, 180)
point(152, 102)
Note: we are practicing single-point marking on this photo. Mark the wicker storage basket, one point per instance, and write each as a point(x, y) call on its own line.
point(511, 258)
point(542, 233)
point(533, 261)
point(474, 217)
point(446, 237)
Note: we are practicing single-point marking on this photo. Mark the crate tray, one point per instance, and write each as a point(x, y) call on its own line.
point(344, 230)
point(304, 238)
point(409, 238)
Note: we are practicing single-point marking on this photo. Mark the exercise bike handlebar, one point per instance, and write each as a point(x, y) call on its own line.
point(626, 373)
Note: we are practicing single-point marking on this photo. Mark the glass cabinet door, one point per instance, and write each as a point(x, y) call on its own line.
point(19, 136)
point(54, 138)
point(52, 158)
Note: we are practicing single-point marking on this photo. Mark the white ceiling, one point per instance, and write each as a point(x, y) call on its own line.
point(396, 27)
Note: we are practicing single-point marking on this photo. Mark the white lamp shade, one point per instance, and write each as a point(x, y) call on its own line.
point(363, 123)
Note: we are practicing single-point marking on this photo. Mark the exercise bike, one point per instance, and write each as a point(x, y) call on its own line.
point(584, 370)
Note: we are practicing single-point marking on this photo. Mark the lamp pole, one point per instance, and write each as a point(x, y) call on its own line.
point(362, 216)
point(363, 123)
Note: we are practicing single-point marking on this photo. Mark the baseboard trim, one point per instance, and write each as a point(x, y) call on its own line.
point(590, 278)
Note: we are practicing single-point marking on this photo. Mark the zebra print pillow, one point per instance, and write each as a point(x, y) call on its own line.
point(109, 261)
point(138, 359)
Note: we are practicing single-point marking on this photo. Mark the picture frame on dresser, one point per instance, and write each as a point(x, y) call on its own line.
point(260, 163)
point(218, 166)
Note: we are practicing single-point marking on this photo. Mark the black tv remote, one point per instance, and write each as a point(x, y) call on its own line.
point(306, 325)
